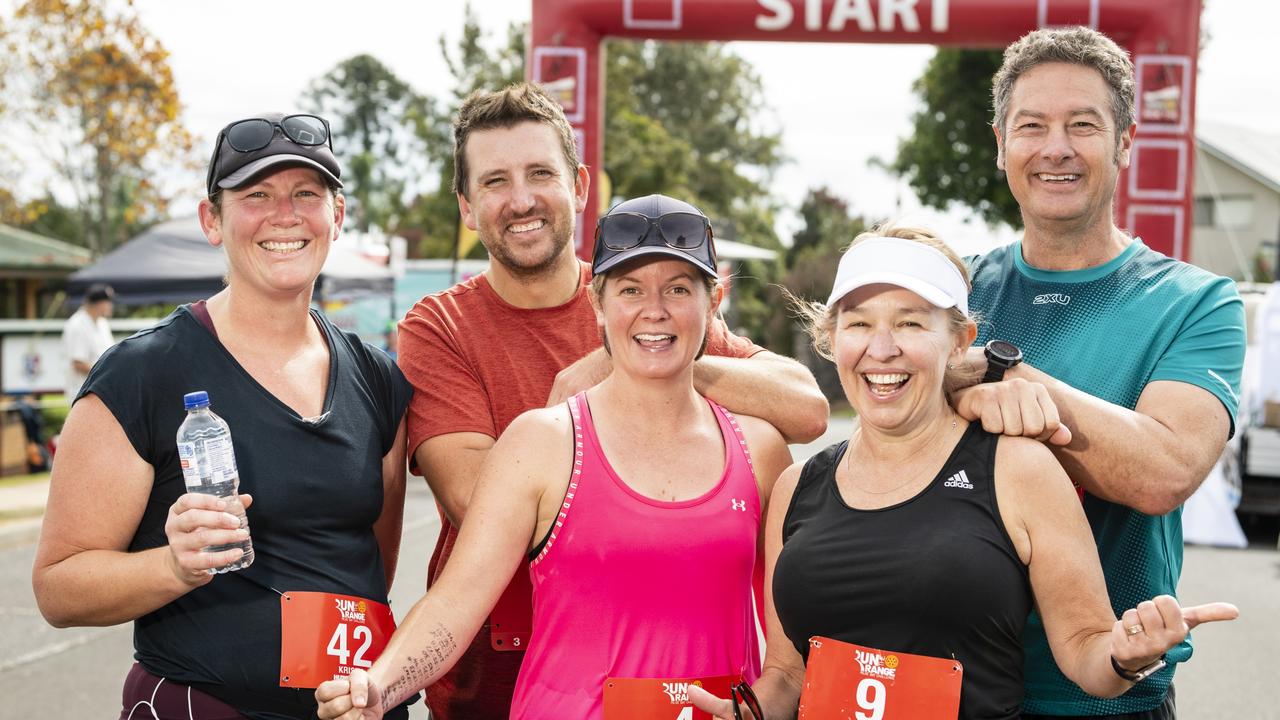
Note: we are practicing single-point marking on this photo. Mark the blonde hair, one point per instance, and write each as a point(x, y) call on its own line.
point(819, 321)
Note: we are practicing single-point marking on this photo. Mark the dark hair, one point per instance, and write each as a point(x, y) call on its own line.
point(98, 292)
point(521, 102)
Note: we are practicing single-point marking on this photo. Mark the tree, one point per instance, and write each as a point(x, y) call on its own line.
point(812, 261)
point(950, 155)
point(97, 88)
point(373, 113)
point(710, 151)
point(431, 223)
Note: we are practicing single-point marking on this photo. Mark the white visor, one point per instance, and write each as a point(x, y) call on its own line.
point(908, 264)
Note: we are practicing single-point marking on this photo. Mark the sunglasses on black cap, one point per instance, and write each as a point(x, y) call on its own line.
point(679, 230)
point(256, 133)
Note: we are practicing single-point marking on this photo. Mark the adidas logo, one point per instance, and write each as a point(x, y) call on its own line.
point(959, 480)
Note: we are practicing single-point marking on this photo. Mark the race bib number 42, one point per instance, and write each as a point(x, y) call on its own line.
point(843, 680)
point(325, 636)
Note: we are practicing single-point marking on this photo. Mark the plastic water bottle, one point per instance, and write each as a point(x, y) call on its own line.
point(209, 466)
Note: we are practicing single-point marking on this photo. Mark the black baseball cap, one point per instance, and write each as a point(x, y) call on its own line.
point(230, 168)
point(653, 225)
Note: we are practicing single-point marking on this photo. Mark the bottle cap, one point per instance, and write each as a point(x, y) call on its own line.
point(199, 398)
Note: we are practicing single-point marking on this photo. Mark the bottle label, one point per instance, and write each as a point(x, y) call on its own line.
point(215, 466)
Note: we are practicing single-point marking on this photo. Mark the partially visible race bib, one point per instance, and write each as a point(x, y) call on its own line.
point(843, 680)
point(659, 698)
point(325, 636)
point(511, 621)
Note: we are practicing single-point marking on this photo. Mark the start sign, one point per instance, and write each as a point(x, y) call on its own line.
point(889, 15)
point(1153, 198)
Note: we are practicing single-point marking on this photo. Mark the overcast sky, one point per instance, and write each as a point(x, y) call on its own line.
point(235, 58)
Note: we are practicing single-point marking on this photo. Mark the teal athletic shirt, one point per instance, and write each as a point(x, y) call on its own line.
point(1108, 331)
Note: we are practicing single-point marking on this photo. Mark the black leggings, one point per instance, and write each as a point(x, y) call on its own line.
point(147, 697)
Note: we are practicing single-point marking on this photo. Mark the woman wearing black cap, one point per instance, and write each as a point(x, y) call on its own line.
point(316, 420)
point(635, 507)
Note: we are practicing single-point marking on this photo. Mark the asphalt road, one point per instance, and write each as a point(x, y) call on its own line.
point(77, 673)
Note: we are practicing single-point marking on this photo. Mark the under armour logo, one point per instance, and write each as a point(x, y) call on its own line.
point(738, 504)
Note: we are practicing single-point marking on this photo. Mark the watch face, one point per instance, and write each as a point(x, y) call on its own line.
point(1004, 351)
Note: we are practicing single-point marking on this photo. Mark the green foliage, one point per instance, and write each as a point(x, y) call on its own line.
point(373, 113)
point(97, 88)
point(949, 156)
point(812, 261)
point(431, 221)
point(658, 140)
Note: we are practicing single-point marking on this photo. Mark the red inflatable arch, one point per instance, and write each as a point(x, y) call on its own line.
point(1154, 196)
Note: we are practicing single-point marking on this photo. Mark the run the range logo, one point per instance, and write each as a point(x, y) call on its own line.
point(877, 665)
point(679, 691)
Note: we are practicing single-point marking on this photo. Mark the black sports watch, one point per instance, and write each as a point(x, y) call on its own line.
point(1001, 355)
point(1137, 676)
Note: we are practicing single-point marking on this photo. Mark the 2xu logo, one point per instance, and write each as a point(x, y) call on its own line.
point(1052, 299)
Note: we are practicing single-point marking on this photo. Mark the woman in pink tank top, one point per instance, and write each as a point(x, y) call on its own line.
point(636, 506)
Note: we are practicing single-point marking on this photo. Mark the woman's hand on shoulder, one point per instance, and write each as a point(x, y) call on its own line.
point(196, 521)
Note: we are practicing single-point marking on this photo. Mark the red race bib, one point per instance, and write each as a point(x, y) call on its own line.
point(325, 636)
point(850, 681)
point(659, 698)
point(511, 622)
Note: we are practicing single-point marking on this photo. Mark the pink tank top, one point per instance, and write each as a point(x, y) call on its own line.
point(631, 587)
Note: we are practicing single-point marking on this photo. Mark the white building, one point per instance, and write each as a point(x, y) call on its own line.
point(1237, 200)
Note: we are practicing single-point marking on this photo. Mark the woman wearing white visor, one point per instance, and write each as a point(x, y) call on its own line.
point(924, 536)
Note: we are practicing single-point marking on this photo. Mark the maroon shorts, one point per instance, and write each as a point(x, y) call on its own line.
point(147, 697)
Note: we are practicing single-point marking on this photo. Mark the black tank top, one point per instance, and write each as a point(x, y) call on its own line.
point(934, 575)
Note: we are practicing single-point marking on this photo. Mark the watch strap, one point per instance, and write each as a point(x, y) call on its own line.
point(995, 372)
point(1137, 676)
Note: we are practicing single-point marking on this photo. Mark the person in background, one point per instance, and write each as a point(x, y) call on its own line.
point(1140, 354)
point(87, 335)
point(317, 424)
point(925, 534)
point(634, 506)
point(523, 335)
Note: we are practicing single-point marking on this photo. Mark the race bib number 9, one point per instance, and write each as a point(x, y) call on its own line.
point(659, 699)
point(325, 636)
point(843, 680)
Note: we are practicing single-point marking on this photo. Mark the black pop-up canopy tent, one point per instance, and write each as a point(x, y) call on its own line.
point(173, 262)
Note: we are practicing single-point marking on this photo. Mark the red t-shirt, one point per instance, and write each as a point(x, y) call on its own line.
point(476, 362)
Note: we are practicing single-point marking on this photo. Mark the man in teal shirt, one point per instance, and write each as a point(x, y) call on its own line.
point(1140, 354)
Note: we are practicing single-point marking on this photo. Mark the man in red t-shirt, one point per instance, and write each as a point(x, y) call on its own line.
point(523, 335)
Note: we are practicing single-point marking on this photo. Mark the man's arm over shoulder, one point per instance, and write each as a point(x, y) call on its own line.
point(749, 380)
point(1153, 457)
